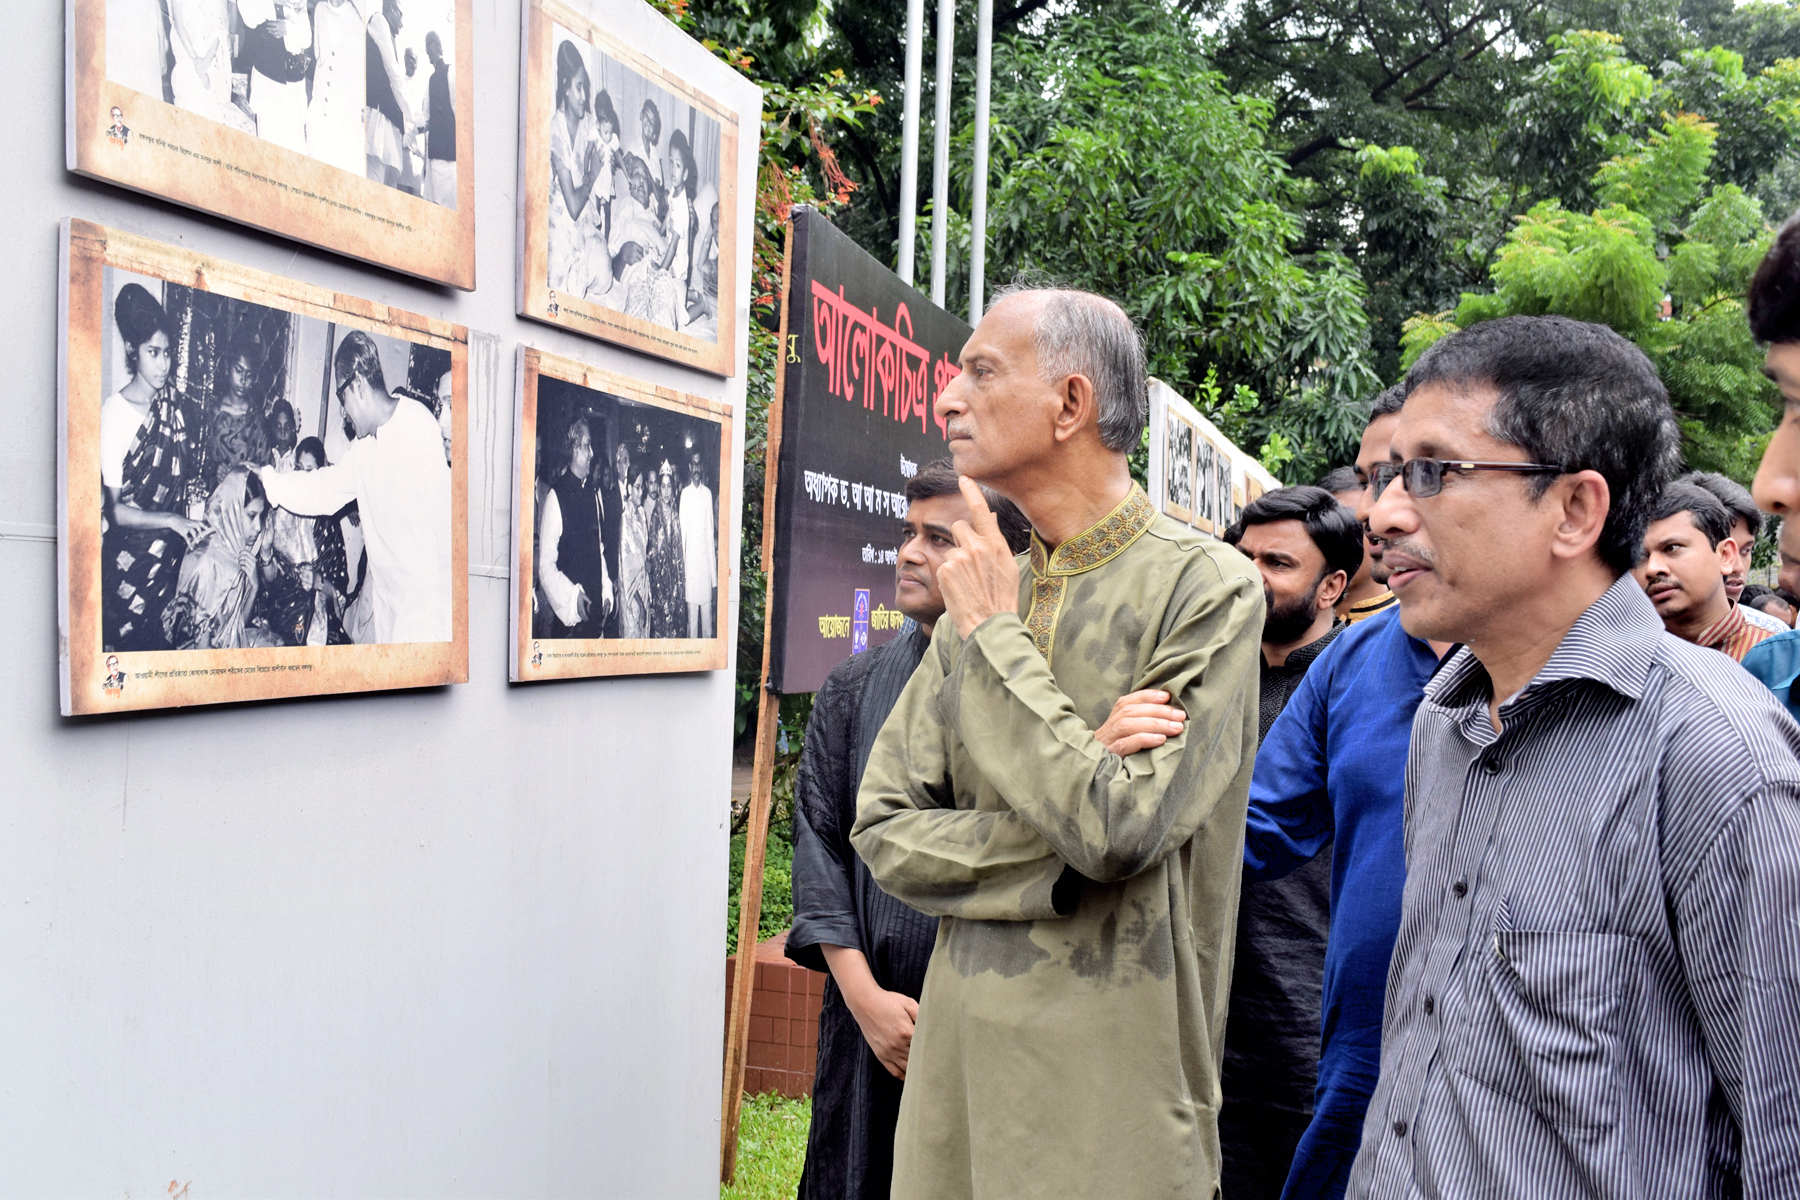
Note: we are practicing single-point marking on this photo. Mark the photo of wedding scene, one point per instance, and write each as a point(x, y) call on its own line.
point(364, 85)
point(626, 540)
point(634, 193)
point(245, 499)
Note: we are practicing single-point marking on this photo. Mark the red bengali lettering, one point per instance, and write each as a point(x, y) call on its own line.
point(894, 371)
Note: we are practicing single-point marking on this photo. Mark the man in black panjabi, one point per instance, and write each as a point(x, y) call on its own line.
point(572, 562)
point(1307, 547)
point(873, 947)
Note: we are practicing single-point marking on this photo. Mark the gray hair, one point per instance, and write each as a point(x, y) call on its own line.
point(1081, 333)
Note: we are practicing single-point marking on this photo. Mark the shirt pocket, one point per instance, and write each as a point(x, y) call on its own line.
point(1544, 1020)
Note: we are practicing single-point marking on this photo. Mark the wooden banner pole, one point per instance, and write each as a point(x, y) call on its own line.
point(762, 775)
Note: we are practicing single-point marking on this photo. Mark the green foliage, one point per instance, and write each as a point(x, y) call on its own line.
point(778, 887)
point(771, 1148)
point(1681, 305)
point(1124, 166)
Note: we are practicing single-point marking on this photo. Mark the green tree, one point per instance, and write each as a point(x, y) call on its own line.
point(1682, 306)
point(1122, 165)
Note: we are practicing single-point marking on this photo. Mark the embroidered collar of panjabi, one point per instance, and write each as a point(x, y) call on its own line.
point(1100, 543)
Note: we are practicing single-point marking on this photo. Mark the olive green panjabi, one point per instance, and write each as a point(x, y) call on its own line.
point(1073, 1013)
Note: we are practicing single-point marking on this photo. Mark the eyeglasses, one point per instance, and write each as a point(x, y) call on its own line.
point(1424, 477)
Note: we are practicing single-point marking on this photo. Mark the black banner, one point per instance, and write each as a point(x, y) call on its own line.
point(865, 357)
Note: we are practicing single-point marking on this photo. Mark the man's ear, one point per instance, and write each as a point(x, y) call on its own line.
point(1584, 500)
point(1331, 590)
point(1728, 554)
point(1079, 407)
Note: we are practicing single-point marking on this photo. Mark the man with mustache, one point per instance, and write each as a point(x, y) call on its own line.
point(1746, 523)
point(1687, 550)
point(873, 946)
point(1597, 974)
point(1071, 1018)
point(1306, 546)
point(1330, 782)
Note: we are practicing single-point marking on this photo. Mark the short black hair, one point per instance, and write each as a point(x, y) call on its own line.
point(1753, 592)
point(940, 479)
point(358, 358)
point(1388, 401)
point(1708, 513)
point(1577, 396)
point(1332, 527)
point(1342, 479)
point(1732, 494)
point(1774, 301)
point(314, 447)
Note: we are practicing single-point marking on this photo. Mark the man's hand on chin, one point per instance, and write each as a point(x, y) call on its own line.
point(977, 578)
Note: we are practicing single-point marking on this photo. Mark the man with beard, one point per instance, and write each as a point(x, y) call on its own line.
point(573, 567)
point(1368, 592)
point(1306, 546)
point(873, 947)
point(1686, 550)
point(1330, 777)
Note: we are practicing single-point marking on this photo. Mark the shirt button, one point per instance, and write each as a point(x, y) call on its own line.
point(1429, 1005)
point(1399, 1128)
point(1460, 888)
point(1492, 766)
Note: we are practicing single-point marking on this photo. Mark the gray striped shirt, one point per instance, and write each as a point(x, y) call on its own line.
point(1596, 986)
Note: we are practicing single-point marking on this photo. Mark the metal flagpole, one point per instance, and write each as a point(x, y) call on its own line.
point(909, 138)
point(984, 55)
point(940, 163)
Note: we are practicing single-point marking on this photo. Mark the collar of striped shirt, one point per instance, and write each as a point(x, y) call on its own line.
point(1732, 634)
point(1614, 642)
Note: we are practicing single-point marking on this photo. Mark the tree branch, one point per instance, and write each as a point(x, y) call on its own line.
point(1300, 154)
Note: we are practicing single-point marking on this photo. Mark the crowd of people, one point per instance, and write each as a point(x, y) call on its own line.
point(633, 224)
point(1434, 833)
point(222, 529)
point(620, 554)
point(310, 75)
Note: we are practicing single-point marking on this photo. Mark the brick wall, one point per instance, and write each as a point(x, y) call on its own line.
point(784, 1021)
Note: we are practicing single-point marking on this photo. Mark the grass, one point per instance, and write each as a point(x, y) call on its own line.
point(771, 1148)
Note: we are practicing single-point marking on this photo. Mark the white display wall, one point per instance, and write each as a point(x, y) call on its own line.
point(462, 941)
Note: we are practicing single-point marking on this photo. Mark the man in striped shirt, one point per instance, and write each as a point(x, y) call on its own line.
point(1686, 552)
point(1595, 990)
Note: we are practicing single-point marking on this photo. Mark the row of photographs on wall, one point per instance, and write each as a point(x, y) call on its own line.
point(1196, 474)
point(263, 493)
point(346, 124)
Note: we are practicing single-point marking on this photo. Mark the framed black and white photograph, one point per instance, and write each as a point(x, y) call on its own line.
point(341, 123)
point(619, 562)
point(1178, 460)
point(233, 527)
point(626, 196)
point(1207, 465)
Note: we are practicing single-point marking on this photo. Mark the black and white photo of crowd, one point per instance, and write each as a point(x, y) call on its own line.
point(1178, 460)
point(634, 194)
point(245, 499)
point(627, 533)
point(364, 85)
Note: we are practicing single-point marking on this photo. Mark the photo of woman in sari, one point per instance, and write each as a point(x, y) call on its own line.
point(222, 574)
point(148, 466)
point(668, 572)
point(634, 568)
point(235, 433)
